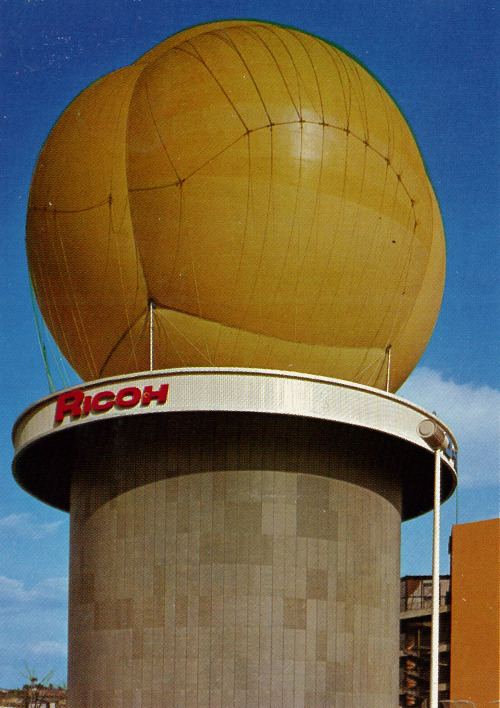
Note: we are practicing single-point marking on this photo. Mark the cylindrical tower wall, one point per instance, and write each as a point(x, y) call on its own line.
point(234, 560)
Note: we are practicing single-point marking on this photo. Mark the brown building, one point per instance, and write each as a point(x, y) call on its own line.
point(475, 617)
point(469, 646)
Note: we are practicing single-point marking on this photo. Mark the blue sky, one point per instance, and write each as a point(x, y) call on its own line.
point(437, 58)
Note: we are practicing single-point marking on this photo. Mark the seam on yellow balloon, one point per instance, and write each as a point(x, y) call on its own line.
point(199, 58)
point(120, 270)
point(247, 30)
point(86, 347)
point(179, 331)
point(224, 35)
point(121, 339)
point(171, 162)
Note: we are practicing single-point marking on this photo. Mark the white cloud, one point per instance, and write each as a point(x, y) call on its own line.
point(34, 622)
point(472, 414)
point(48, 648)
point(26, 526)
point(49, 592)
point(10, 590)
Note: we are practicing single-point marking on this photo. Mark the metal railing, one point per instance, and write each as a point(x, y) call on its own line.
point(422, 602)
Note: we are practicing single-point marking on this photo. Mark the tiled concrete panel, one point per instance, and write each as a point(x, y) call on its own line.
point(244, 586)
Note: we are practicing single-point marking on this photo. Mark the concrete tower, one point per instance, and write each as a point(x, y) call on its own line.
point(235, 243)
point(235, 540)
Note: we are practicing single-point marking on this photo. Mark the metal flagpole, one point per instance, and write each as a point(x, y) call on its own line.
point(434, 696)
point(151, 335)
point(436, 438)
point(388, 377)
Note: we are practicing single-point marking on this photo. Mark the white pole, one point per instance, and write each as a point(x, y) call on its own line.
point(434, 697)
point(388, 378)
point(151, 335)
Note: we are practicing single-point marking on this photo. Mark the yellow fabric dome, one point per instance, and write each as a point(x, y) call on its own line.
point(257, 185)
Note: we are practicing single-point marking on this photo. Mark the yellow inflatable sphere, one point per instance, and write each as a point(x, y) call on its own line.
point(258, 187)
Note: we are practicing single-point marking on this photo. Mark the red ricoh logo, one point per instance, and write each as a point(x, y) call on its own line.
point(77, 403)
